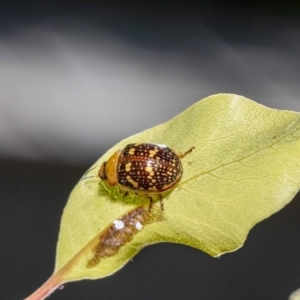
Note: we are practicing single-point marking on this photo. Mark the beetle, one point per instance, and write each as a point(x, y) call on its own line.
point(146, 169)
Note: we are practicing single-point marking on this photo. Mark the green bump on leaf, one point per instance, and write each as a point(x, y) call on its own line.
point(245, 167)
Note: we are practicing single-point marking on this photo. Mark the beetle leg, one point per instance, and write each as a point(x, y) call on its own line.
point(150, 204)
point(125, 194)
point(181, 155)
point(187, 152)
point(161, 202)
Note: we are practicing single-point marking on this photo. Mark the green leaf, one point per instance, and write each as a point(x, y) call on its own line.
point(245, 167)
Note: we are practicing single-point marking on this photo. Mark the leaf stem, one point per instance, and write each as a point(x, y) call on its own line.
point(47, 288)
point(61, 276)
point(58, 278)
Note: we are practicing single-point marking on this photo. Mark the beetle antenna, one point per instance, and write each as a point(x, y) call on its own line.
point(86, 177)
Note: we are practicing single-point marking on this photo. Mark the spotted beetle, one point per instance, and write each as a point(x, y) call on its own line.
point(148, 170)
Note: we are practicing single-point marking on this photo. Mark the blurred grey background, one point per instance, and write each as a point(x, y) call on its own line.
point(76, 79)
point(78, 76)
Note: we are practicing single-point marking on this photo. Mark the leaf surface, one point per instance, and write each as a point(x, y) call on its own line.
point(245, 167)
